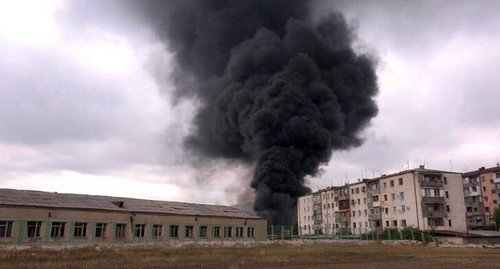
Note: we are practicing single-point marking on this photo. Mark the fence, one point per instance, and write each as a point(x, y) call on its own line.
point(276, 233)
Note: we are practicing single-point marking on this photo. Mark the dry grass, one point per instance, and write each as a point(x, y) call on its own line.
point(374, 255)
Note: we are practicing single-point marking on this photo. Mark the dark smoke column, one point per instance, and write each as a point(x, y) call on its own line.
point(276, 89)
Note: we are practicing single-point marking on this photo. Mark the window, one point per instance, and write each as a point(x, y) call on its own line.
point(228, 232)
point(363, 189)
point(447, 194)
point(386, 223)
point(100, 230)
point(375, 198)
point(447, 208)
point(80, 229)
point(250, 231)
point(354, 225)
point(359, 212)
point(403, 208)
point(385, 185)
point(216, 231)
point(157, 230)
point(364, 201)
point(427, 192)
point(385, 197)
point(386, 210)
point(359, 201)
point(57, 229)
point(33, 228)
point(403, 223)
point(6, 228)
point(402, 196)
point(366, 212)
point(395, 223)
point(174, 231)
point(392, 183)
point(486, 198)
point(357, 190)
point(188, 231)
point(393, 209)
point(352, 191)
point(239, 232)
point(393, 196)
point(445, 180)
point(354, 213)
point(487, 209)
point(139, 230)
point(449, 222)
point(203, 231)
point(120, 230)
point(400, 180)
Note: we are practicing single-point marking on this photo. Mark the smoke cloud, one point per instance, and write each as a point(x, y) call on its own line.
point(278, 89)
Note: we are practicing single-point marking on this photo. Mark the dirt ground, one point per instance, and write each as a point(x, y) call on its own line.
point(276, 255)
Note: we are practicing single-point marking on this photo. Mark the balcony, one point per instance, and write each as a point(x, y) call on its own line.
point(435, 214)
point(375, 216)
point(496, 180)
point(432, 200)
point(472, 193)
point(431, 180)
point(376, 204)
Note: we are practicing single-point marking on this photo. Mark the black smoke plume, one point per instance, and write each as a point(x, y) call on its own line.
point(277, 88)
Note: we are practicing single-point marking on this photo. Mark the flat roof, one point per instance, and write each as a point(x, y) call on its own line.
point(13, 197)
point(482, 170)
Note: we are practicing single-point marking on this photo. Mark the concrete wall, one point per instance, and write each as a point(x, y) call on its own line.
point(22, 215)
point(359, 208)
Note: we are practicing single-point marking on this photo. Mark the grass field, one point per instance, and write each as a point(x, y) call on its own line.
point(318, 255)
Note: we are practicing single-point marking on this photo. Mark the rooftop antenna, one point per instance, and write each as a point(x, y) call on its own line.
point(346, 180)
point(498, 163)
point(451, 165)
point(407, 164)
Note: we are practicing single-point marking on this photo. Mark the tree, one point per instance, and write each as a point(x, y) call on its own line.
point(496, 216)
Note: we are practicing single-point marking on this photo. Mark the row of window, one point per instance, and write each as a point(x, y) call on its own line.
point(79, 230)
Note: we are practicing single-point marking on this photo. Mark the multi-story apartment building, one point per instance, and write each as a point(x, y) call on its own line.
point(482, 195)
point(359, 206)
point(422, 198)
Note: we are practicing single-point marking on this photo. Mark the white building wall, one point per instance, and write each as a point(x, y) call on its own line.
point(359, 208)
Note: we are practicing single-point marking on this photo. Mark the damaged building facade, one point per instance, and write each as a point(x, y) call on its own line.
point(482, 195)
point(34, 217)
point(419, 198)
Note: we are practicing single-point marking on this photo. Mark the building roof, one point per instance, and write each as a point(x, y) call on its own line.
point(482, 170)
point(31, 198)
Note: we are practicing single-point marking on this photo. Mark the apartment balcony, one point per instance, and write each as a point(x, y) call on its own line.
point(496, 180)
point(473, 193)
point(435, 214)
point(476, 213)
point(431, 184)
point(432, 200)
point(375, 216)
point(376, 204)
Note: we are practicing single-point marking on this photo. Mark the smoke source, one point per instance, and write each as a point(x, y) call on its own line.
point(277, 88)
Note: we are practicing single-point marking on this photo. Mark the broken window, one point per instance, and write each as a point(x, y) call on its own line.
point(188, 231)
point(100, 230)
point(6, 228)
point(57, 229)
point(216, 231)
point(250, 232)
point(120, 230)
point(400, 180)
point(33, 228)
point(80, 229)
point(140, 230)
point(203, 231)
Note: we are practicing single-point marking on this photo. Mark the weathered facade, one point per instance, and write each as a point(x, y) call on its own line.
point(482, 195)
point(419, 198)
point(33, 217)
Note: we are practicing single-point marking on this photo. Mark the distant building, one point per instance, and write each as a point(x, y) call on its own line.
point(482, 195)
point(422, 198)
point(34, 217)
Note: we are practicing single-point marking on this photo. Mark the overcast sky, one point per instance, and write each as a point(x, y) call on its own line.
point(81, 109)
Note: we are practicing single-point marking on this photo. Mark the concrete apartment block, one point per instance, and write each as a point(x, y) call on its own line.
point(482, 195)
point(421, 198)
